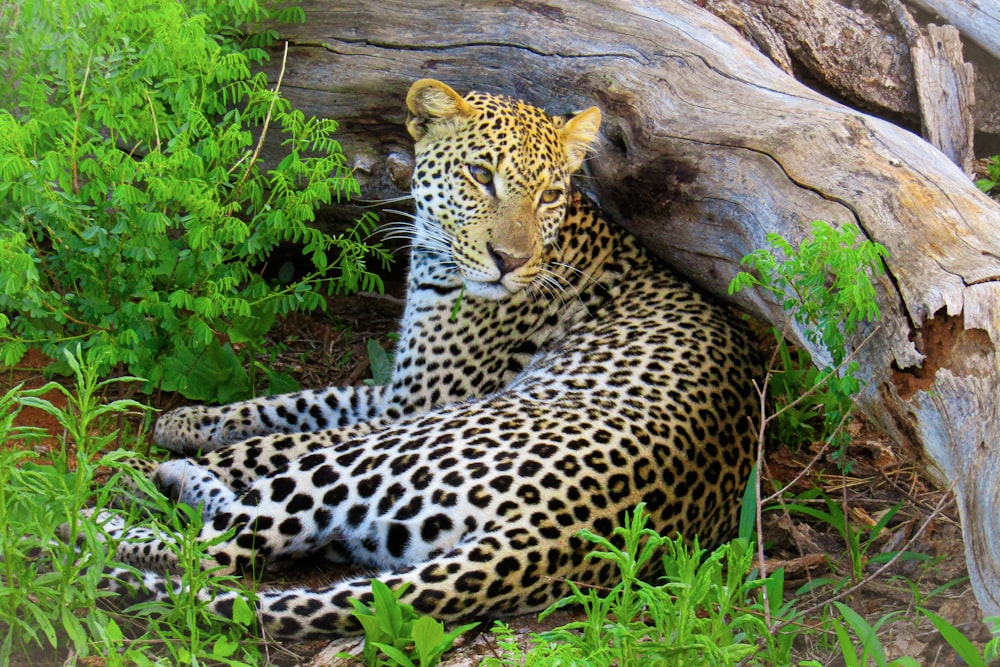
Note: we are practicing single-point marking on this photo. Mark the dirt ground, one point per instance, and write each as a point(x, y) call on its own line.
point(331, 349)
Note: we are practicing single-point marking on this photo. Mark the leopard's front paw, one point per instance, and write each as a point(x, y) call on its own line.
point(184, 482)
point(192, 429)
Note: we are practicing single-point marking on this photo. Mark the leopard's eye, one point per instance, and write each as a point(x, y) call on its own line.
point(480, 175)
point(550, 196)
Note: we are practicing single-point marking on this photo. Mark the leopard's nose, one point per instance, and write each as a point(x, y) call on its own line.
point(505, 261)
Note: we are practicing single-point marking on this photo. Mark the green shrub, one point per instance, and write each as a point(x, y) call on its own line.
point(825, 285)
point(135, 216)
point(992, 180)
point(705, 610)
point(50, 586)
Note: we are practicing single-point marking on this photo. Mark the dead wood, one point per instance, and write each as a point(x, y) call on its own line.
point(945, 86)
point(707, 147)
point(979, 19)
point(864, 57)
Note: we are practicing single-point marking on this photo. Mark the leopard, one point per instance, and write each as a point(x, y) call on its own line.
point(550, 374)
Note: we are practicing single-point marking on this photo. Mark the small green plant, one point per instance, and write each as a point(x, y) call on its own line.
point(395, 635)
point(47, 590)
point(136, 215)
point(50, 586)
point(965, 649)
point(83, 407)
point(992, 649)
point(825, 285)
point(380, 361)
point(859, 543)
point(992, 180)
point(542, 653)
point(705, 611)
point(865, 639)
point(184, 626)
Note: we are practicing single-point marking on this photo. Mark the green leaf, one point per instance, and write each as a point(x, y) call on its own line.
point(280, 383)
point(428, 637)
point(396, 655)
point(458, 305)
point(387, 610)
point(213, 373)
point(114, 632)
point(845, 643)
point(253, 327)
point(224, 647)
point(959, 642)
point(381, 363)
point(748, 510)
point(864, 632)
point(243, 613)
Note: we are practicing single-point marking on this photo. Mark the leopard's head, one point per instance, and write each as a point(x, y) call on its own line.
point(492, 181)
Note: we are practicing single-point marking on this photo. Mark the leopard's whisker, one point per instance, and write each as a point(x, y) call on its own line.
point(559, 285)
point(372, 203)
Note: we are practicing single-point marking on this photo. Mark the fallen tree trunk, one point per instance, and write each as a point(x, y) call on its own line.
point(979, 19)
point(860, 52)
point(707, 147)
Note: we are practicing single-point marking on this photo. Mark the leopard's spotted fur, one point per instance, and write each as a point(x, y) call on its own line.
point(579, 378)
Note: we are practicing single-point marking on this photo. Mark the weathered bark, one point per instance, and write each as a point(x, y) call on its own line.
point(842, 48)
point(707, 147)
point(863, 58)
point(945, 84)
point(979, 19)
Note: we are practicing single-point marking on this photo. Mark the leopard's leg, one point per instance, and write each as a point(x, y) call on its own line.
point(147, 549)
point(238, 466)
point(474, 534)
point(234, 468)
point(487, 575)
point(184, 481)
point(299, 507)
point(216, 480)
point(196, 429)
point(483, 578)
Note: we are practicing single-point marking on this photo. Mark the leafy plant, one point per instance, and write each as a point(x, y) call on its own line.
point(185, 626)
point(83, 408)
point(866, 639)
point(959, 642)
point(396, 635)
point(48, 591)
point(50, 586)
point(136, 216)
point(705, 610)
point(992, 649)
point(380, 361)
point(992, 179)
point(541, 654)
point(859, 543)
point(825, 285)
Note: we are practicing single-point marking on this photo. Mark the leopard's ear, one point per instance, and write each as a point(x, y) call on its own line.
point(430, 102)
point(578, 134)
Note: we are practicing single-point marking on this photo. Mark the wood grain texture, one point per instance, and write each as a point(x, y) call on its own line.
point(860, 56)
point(858, 53)
point(979, 19)
point(706, 148)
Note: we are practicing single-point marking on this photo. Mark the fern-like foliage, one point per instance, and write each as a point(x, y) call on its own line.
point(825, 284)
point(134, 215)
